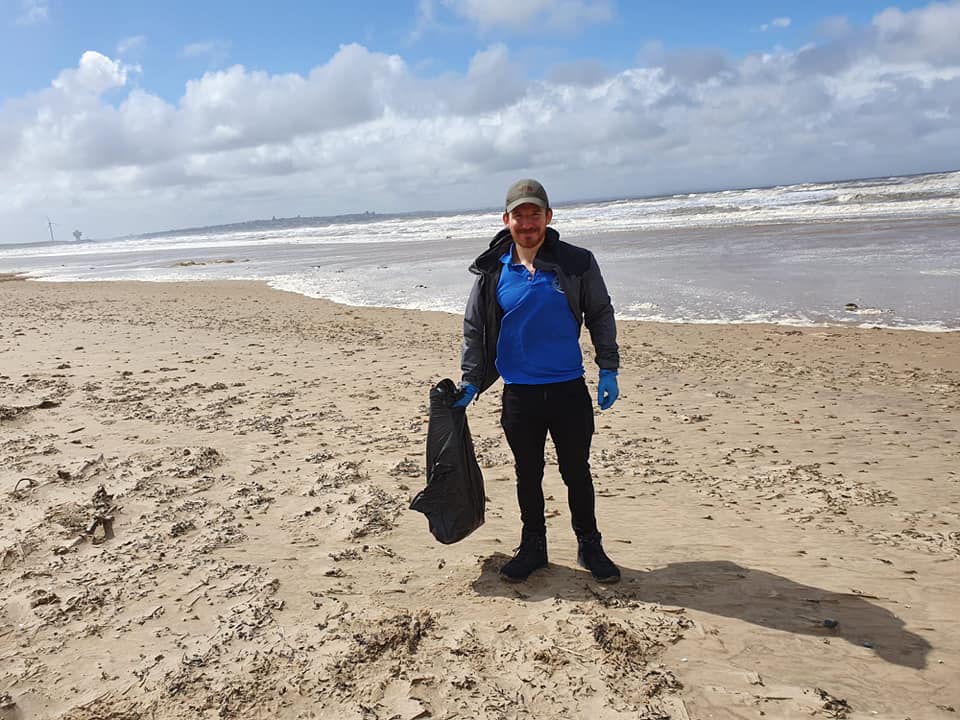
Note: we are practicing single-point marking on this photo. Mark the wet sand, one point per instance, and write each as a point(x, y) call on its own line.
point(784, 504)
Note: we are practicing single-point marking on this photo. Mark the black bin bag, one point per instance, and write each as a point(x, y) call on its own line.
point(453, 499)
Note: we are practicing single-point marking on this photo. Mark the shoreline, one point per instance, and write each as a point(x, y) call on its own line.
point(260, 448)
point(930, 328)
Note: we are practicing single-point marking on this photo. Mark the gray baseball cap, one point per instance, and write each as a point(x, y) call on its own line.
point(526, 191)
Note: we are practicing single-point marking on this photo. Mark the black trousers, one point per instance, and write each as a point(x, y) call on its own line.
point(565, 410)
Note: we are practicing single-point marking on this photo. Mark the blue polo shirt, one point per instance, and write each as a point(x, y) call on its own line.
point(539, 339)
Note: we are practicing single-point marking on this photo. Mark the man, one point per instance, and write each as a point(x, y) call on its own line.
point(532, 295)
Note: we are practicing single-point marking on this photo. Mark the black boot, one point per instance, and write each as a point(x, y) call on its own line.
point(591, 556)
point(530, 556)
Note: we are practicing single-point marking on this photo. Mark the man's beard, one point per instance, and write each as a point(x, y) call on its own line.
point(528, 240)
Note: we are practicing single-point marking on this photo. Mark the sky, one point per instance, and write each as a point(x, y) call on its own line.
point(125, 117)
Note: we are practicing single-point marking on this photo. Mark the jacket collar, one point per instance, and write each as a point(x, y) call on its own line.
point(489, 260)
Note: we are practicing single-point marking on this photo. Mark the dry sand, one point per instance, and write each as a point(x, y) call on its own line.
point(784, 503)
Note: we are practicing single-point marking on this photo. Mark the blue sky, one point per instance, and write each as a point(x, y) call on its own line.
point(283, 36)
point(127, 117)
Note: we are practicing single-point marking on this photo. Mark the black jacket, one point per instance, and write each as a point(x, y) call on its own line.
point(579, 277)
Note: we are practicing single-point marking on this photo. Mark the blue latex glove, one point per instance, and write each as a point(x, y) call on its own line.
point(469, 393)
point(607, 390)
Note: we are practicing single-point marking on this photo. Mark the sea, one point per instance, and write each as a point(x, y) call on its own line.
point(880, 252)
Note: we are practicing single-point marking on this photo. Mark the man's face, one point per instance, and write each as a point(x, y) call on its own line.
point(528, 224)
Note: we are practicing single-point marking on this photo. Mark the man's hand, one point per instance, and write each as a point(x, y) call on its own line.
point(469, 392)
point(607, 390)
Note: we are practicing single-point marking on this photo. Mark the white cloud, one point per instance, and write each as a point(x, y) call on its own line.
point(94, 75)
point(215, 51)
point(929, 34)
point(33, 12)
point(587, 73)
point(425, 20)
point(240, 143)
point(834, 28)
point(131, 44)
point(531, 16)
point(493, 81)
point(780, 22)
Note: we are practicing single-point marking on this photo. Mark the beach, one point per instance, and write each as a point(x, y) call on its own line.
point(206, 490)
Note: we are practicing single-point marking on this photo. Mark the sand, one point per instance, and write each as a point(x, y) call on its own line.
point(784, 504)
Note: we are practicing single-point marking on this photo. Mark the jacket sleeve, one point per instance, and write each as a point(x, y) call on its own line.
point(598, 317)
point(472, 357)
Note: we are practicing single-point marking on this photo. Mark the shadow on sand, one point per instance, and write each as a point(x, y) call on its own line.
point(725, 588)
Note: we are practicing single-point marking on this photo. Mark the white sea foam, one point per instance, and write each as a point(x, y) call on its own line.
point(640, 307)
point(929, 195)
point(871, 311)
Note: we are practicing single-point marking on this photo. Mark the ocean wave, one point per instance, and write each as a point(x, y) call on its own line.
point(863, 198)
point(925, 196)
point(942, 272)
